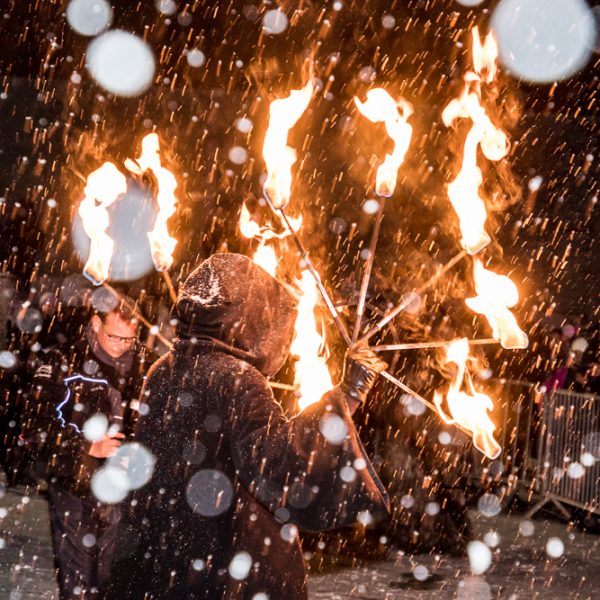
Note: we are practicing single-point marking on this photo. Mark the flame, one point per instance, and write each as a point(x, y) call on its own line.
point(463, 192)
point(266, 258)
point(495, 295)
point(248, 228)
point(381, 107)
point(265, 255)
point(279, 157)
point(103, 186)
point(311, 373)
point(162, 245)
point(468, 409)
point(485, 55)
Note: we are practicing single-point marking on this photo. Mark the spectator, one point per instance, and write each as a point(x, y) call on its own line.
point(100, 373)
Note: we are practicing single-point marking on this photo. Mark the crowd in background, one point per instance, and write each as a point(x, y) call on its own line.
point(574, 353)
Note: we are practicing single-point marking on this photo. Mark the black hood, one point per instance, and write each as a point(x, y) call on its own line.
point(231, 300)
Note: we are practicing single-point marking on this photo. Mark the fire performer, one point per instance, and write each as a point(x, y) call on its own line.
point(234, 478)
point(97, 374)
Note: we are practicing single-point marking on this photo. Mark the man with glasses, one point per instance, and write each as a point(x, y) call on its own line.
point(99, 374)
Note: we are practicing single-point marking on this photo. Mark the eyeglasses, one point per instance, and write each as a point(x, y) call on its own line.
point(118, 339)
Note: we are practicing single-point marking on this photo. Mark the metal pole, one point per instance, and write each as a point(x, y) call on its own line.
point(360, 309)
point(420, 398)
point(396, 311)
point(417, 345)
point(336, 317)
point(170, 287)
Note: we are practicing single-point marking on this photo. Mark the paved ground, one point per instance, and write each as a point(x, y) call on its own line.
point(521, 569)
point(26, 569)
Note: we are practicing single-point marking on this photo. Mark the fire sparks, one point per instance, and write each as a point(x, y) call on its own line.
point(279, 157)
point(468, 409)
point(311, 374)
point(162, 245)
point(463, 192)
point(495, 295)
point(381, 107)
point(103, 187)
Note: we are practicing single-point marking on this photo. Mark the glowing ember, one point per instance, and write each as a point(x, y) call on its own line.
point(469, 408)
point(380, 107)
point(103, 187)
point(162, 245)
point(495, 295)
point(279, 157)
point(463, 192)
point(311, 374)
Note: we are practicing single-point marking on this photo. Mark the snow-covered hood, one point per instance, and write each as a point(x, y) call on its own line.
point(229, 298)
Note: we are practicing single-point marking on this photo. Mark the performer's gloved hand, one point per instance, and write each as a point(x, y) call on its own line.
point(361, 371)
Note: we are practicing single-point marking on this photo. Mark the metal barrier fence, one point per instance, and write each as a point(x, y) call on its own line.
point(568, 457)
point(550, 447)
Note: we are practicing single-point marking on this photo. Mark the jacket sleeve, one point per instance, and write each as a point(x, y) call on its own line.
point(50, 435)
point(311, 469)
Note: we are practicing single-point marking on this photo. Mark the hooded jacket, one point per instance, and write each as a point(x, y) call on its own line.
point(234, 479)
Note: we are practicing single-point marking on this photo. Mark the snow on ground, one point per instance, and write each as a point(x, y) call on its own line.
point(521, 567)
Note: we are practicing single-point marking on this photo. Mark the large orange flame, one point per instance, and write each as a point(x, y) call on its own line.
point(279, 157)
point(162, 245)
point(380, 107)
point(495, 295)
point(468, 409)
point(103, 187)
point(463, 192)
point(312, 376)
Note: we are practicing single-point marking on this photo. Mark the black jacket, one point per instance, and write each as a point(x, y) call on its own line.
point(72, 383)
point(233, 477)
